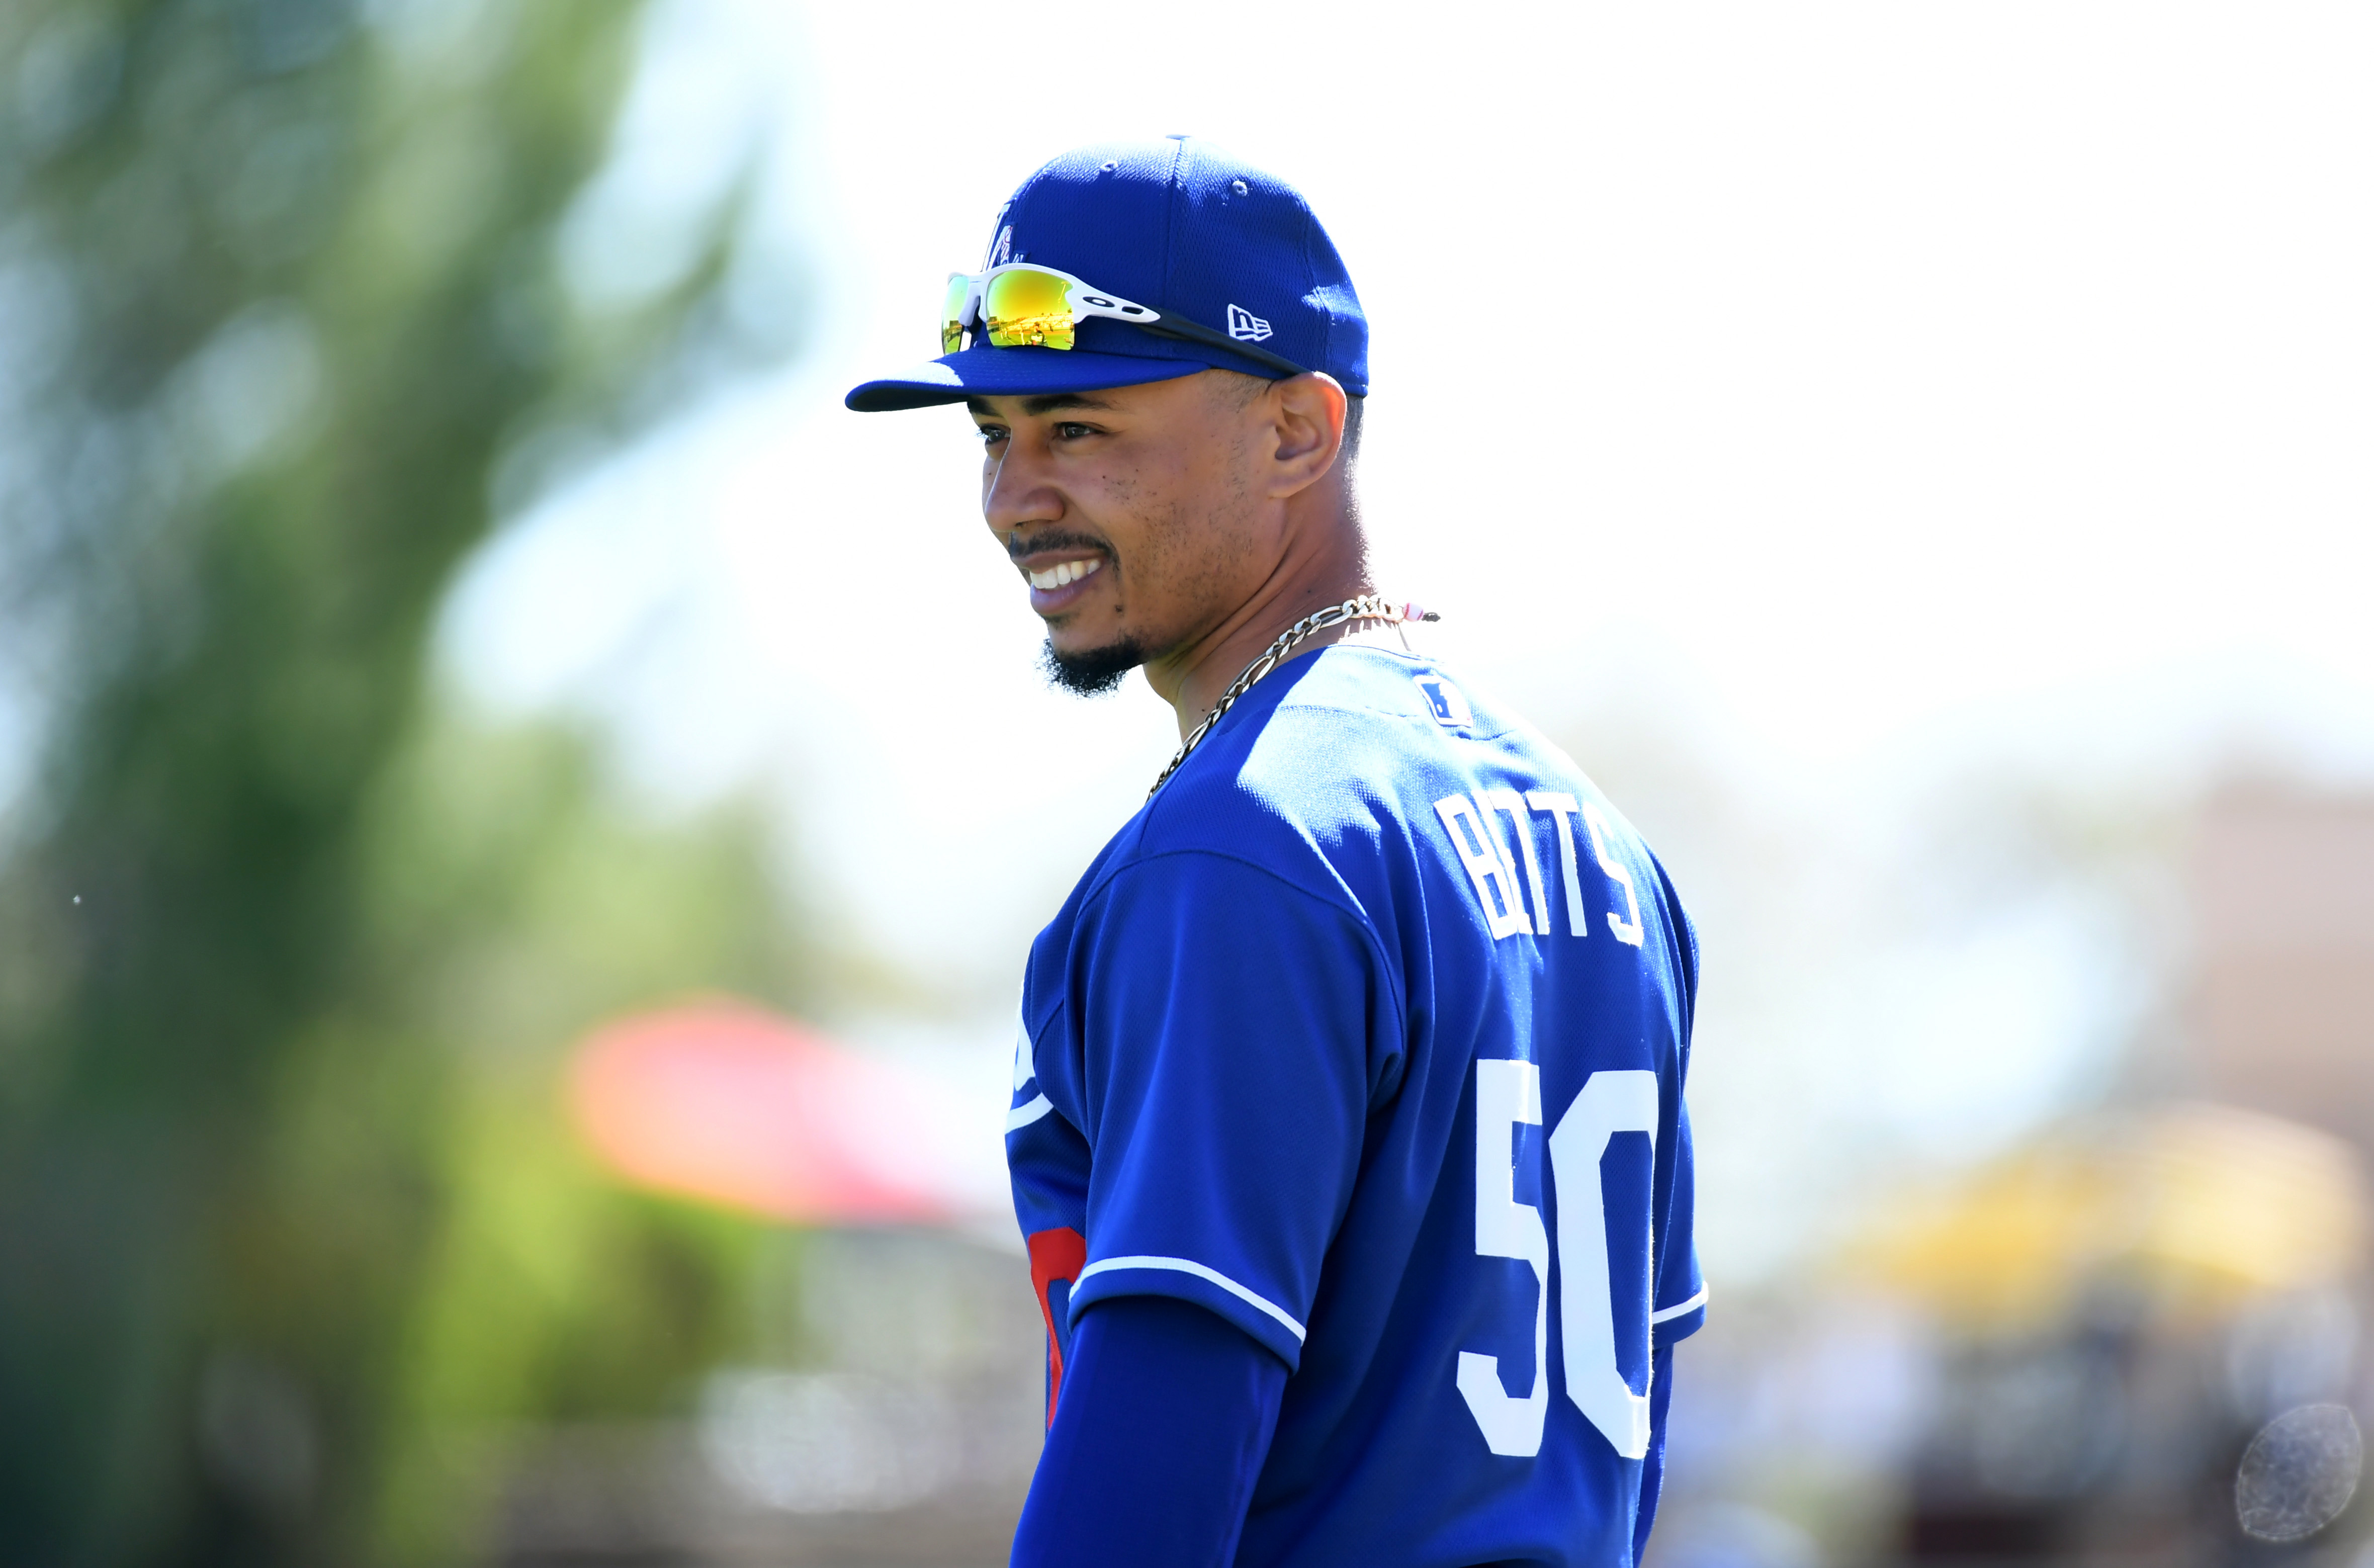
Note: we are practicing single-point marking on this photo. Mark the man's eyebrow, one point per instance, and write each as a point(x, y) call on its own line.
point(1045, 403)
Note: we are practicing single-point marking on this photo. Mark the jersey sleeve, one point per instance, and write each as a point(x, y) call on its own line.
point(1232, 1028)
point(1678, 1294)
point(1678, 1303)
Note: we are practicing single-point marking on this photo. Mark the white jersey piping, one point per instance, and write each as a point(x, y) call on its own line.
point(1680, 1308)
point(1188, 1265)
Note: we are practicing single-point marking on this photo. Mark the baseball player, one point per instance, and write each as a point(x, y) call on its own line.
point(1348, 1134)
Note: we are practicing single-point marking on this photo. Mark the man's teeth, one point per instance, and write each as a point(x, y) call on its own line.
point(1064, 571)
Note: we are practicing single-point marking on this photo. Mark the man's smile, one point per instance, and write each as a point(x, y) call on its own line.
point(1058, 577)
point(1063, 572)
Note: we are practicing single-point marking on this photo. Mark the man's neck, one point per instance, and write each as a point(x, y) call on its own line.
point(1192, 678)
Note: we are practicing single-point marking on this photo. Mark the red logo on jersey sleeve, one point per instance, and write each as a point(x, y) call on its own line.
point(1056, 1256)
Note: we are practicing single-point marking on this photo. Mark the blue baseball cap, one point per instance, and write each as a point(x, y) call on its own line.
point(1176, 224)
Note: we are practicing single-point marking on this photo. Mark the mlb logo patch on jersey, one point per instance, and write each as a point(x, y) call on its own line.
point(1445, 700)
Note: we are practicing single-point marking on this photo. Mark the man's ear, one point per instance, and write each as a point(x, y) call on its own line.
point(1307, 412)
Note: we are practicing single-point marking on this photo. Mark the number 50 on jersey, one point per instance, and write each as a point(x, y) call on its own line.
point(1507, 1093)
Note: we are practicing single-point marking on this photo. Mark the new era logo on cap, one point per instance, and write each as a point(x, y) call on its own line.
point(1245, 326)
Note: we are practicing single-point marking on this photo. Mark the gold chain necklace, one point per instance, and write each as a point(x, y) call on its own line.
point(1367, 607)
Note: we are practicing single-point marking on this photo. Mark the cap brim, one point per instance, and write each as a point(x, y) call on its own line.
point(1013, 373)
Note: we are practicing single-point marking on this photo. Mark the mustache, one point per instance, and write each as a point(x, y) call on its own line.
point(1016, 546)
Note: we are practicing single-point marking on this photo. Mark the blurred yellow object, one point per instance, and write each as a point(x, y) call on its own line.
point(2198, 1204)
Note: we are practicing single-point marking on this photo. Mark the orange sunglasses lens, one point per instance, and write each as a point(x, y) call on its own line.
point(1029, 309)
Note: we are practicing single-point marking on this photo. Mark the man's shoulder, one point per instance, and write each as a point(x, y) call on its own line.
point(1341, 733)
point(1310, 767)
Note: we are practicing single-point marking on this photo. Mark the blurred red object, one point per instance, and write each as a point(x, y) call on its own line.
point(725, 1101)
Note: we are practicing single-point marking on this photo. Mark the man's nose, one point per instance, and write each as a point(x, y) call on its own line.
point(1015, 490)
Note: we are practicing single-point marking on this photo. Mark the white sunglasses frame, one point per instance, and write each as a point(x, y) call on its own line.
point(1087, 301)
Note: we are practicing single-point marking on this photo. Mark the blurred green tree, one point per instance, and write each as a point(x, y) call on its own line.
point(279, 298)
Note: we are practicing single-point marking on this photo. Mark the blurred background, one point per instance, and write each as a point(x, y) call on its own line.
point(520, 819)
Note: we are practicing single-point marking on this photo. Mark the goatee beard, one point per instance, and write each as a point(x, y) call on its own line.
point(1092, 672)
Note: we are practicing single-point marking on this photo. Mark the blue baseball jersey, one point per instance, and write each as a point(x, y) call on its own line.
point(1368, 1033)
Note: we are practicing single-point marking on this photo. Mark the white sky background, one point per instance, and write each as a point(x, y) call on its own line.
point(1855, 403)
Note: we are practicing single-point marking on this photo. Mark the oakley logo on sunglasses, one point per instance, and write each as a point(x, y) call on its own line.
point(1245, 326)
